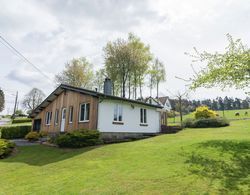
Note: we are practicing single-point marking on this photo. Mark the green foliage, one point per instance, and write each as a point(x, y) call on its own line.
point(231, 68)
point(78, 139)
point(204, 112)
point(126, 64)
point(32, 136)
point(2, 100)
point(21, 120)
point(14, 132)
point(206, 122)
point(78, 72)
point(6, 148)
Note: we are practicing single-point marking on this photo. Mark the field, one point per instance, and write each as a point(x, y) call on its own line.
point(193, 161)
point(229, 114)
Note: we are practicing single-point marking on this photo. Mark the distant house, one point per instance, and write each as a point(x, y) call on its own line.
point(70, 108)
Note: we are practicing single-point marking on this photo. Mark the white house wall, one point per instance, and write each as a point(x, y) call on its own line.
point(131, 118)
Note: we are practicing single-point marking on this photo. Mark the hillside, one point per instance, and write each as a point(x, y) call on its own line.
point(195, 161)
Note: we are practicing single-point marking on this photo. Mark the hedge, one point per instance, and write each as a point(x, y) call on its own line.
point(14, 132)
point(206, 122)
point(21, 120)
point(78, 139)
point(6, 147)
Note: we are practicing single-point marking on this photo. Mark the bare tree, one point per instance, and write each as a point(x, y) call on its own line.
point(33, 99)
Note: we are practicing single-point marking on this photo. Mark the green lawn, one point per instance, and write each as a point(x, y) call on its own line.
point(229, 114)
point(193, 161)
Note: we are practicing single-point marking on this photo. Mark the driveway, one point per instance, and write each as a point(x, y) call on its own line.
point(4, 121)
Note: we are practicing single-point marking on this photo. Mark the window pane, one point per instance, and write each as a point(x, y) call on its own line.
point(82, 110)
point(120, 113)
point(70, 114)
point(87, 112)
point(115, 112)
point(141, 115)
point(145, 116)
point(50, 117)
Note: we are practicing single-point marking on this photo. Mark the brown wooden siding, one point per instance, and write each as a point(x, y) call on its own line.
point(66, 100)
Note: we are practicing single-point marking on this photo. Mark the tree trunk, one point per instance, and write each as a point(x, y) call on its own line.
point(129, 88)
point(157, 88)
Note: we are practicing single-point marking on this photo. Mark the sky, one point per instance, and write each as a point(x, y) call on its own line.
point(51, 32)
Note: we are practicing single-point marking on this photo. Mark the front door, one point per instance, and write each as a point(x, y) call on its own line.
point(63, 119)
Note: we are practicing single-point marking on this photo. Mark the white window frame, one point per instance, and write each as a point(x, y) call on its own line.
point(71, 114)
point(56, 116)
point(118, 111)
point(48, 117)
point(85, 111)
point(143, 116)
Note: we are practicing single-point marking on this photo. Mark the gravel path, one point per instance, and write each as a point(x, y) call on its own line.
point(23, 142)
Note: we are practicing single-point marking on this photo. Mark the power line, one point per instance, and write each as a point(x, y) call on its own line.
point(12, 48)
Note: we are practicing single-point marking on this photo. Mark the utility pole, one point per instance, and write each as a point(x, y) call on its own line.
point(15, 107)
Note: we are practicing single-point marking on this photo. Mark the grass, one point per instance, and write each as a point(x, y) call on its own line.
point(229, 114)
point(194, 161)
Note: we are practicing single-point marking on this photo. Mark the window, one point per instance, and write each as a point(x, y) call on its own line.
point(70, 114)
point(118, 113)
point(143, 115)
point(84, 112)
point(48, 118)
point(56, 116)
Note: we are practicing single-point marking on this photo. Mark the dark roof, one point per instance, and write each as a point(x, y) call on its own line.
point(163, 99)
point(64, 87)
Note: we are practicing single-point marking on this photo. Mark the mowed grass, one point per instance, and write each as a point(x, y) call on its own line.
point(193, 161)
point(229, 114)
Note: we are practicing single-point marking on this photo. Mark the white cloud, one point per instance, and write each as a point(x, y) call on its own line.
point(50, 33)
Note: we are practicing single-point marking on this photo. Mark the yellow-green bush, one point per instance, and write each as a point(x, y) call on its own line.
point(32, 136)
point(6, 148)
point(204, 112)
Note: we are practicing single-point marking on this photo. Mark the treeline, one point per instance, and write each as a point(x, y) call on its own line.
point(129, 63)
point(219, 103)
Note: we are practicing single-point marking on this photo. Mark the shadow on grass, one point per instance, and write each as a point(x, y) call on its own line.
point(39, 155)
point(232, 168)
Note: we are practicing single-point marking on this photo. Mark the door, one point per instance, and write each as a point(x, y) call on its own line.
point(63, 119)
point(37, 125)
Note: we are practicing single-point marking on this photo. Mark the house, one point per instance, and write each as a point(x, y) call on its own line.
point(70, 108)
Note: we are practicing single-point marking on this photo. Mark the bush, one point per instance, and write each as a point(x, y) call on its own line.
point(6, 147)
point(204, 112)
point(78, 139)
point(21, 120)
point(14, 132)
point(32, 136)
point(43, 133)
point(206, 122)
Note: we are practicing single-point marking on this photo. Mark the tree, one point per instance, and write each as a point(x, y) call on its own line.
point(78, 73)
point(33, 99)
point(2, 100)
point(126, 64)
point(160, 74)
point(99, 79)
point(228, 69)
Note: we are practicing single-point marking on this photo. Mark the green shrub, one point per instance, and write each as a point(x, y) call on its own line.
point(21, 120)
point(32, 136)
point(78, 139)
point(6, 147)
point(43, 133)
point(204, 112)
point(14, 132)
point(206, 122)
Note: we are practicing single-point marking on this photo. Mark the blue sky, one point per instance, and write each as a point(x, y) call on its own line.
point(50, 33)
